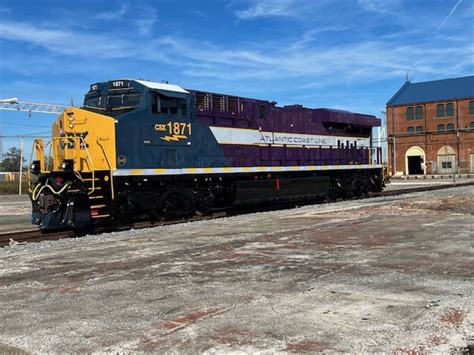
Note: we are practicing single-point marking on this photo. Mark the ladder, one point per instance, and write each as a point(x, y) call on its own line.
point(99, 207)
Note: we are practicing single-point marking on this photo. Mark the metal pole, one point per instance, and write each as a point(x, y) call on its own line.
point(21, 164)
point(379, 131)
point(394, 157)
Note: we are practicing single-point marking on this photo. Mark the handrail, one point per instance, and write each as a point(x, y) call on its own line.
point(92, 164)
point(77, 147)
point(110, 167)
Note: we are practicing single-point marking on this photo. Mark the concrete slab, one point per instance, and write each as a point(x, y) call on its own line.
point(15, 213)
point(387, 274)
point(400, 184)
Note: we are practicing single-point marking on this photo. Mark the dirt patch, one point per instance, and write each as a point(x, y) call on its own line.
point(453, 316)
point(434, 339)
point(419, 350)
point(305, 346)
point(189, 318)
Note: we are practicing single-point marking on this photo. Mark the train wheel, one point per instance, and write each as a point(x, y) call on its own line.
point(175, 203)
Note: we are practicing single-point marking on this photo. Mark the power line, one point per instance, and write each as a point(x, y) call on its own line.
point(27, 135)
point(23, 125)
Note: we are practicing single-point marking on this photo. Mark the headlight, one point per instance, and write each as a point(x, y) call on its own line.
point(67, 165)
point(35, 167)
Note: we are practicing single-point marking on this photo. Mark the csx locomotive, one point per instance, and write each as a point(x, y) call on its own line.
point(142, 149)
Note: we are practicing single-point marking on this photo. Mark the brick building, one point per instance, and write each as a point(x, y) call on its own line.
point(430, 127)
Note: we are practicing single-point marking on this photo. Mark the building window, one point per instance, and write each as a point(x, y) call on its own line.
point(419, 129)
point(471, 107)
point(446, 165)
point(410, 113)
point(450, 127)
point(440, 128)
point(440, 110)
point(471, 125)
point(419, 112)
point(411, 130)
point(449, 109)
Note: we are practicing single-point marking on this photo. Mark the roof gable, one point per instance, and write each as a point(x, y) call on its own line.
point(446, 89)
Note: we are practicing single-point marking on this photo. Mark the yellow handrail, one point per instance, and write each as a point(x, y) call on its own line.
point(82, 144)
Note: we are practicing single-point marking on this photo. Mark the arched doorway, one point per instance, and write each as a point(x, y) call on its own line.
point(446, 160)
point(415, 161)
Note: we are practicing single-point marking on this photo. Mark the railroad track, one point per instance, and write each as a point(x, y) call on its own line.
point(31, 235)
point(35, 235)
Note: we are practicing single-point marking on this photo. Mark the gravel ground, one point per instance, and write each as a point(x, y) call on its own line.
point(390, 274)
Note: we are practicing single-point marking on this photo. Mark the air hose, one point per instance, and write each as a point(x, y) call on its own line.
point(39, 188)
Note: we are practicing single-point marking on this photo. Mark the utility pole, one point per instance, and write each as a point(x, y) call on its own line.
point(1, 144)
point(381, 129)
point(21, 165)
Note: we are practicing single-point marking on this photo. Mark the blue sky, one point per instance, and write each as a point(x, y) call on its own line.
point(343, 54)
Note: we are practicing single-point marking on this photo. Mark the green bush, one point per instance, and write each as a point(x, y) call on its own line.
point(11, 187)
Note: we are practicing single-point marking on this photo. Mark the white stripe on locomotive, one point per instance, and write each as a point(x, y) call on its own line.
point(245, 136)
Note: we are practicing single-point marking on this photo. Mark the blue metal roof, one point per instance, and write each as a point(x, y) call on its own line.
point(446, 89)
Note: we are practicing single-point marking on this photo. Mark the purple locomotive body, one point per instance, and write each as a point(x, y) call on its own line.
point(258, 133)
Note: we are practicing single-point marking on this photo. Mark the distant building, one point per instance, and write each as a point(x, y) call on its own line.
point(430, 127)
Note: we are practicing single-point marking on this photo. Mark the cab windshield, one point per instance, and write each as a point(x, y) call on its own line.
point(114, 102)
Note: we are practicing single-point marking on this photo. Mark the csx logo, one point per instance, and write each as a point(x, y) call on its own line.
point(70, 139)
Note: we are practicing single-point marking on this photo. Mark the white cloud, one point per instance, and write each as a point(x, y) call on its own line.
point(267, 8)
point(309, 60)
point(63, 41)
point(112, 15)
point(378, 6)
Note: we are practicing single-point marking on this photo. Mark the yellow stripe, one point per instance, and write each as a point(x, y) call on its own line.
point(246, 169)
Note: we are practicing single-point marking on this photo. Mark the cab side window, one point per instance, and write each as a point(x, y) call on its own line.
point(168, 105)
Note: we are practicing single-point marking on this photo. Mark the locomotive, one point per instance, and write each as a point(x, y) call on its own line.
point(143, 149)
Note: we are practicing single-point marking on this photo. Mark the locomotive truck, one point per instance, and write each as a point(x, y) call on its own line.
point(144, 149)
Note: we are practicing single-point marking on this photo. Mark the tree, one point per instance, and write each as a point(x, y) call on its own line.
point(11, 160)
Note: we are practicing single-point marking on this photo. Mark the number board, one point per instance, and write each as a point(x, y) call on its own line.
point(118, 84)
point(174, 131)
